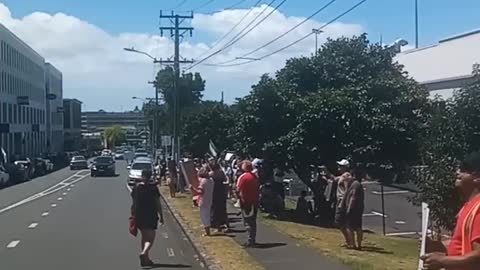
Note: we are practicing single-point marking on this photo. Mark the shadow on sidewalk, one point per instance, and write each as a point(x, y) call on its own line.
point(269, 245)
point(165, 265)
point(375, 250)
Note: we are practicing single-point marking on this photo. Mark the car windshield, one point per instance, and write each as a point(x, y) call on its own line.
point(141, 166)
point(104, 160)
point(78, 158)
point(141, 155)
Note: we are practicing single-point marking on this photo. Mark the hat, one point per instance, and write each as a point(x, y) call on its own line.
point(343, 162)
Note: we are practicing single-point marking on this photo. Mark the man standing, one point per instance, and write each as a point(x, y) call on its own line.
point(463, 251)
point(248, 188)
point(355, 204)
point(343, 182)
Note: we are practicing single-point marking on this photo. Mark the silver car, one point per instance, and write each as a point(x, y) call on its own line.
point(135, 170)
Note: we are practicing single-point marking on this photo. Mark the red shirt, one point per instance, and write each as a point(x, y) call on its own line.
point(455, 246)
point(248, 187)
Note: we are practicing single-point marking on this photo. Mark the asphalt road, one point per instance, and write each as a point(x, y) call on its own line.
point(68, 220)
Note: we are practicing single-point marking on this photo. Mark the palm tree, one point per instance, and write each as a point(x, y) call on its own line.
point(114, 135)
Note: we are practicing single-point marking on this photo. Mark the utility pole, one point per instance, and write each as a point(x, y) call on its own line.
point(176, 31)
point(155, 121)
point(416, 24)
point(316, 32)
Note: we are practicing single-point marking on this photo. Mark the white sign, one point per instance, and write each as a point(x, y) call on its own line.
point(166, 140)
point(425, 217)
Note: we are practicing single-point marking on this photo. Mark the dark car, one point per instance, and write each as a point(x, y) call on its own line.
point(104, 165)
point(78, 163)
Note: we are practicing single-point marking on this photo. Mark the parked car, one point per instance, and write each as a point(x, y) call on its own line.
point(4, 176)
point(104, 165)
point(78, 163)
point(18, 173)
point(135, 170)
point(27, 163)
point(40, 166)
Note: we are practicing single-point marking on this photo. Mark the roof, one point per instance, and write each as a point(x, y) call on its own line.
point(74, 100)
point(451, 58)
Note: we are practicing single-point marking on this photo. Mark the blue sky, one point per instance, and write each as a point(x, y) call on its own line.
point(392, 18)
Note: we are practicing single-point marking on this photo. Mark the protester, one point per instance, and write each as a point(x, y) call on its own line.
point(355, 204)
point(248, 188)
point(146, 210)
point(343, 181)
point(163, 170)
point(205, 198)
point(304, 209)
point(172, 177)
point(219, 217)
point(463, 251)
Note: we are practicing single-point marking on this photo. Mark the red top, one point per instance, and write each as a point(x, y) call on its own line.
point(455, 247)
point(248, 187)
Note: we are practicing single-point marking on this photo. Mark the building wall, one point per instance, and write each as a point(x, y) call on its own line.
point(72, 124)
point(54, 108)
point(22, 73)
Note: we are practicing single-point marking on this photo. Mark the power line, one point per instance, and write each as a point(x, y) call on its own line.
point(204, 5)
point(179, 5)
point(297, 41)
point(230, 31)
point(237, 4)
point(239, 36)
point(284, 34)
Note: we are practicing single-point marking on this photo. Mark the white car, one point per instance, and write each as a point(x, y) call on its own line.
point(135, 170)
point(4, 176)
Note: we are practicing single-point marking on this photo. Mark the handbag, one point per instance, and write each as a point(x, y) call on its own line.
point(132, 226)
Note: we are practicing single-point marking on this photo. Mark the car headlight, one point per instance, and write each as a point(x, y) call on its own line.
point(94, 167)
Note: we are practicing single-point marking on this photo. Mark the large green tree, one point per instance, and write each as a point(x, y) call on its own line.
point(115, 135)
point(207, 121)
point(351, 101)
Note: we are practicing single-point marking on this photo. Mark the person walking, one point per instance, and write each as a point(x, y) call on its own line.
point(146, 210)
point(343, 181)
point(248, 188)
point(172, 177)
point(205, 198)
point(355, 204)
point(463, 250)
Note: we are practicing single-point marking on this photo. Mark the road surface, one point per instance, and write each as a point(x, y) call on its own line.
point(68, 220)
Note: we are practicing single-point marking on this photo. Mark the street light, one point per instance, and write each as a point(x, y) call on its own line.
point(316, 32)
point(155, 119)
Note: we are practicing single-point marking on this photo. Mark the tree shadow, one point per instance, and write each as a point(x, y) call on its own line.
point(269, 245)
point(375, 250)
point(234, 220)
point(166, 265)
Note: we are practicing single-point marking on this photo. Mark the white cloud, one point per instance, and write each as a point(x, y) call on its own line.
point(97, 71)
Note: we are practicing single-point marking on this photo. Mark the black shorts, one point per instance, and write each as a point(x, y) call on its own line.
point(147, 223)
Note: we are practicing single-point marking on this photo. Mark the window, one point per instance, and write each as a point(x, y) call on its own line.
point(4, 112)
point(10, 114)
point(24, 115)
point(15, 113)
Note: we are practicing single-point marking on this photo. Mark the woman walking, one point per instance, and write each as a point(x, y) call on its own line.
point(146, 209)
point(205, 198)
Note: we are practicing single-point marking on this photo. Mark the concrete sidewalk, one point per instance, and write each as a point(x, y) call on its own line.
point(278, 251)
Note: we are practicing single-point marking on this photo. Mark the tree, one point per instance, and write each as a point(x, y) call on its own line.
point(115, 135)
point(207, 121)
point(351, 101)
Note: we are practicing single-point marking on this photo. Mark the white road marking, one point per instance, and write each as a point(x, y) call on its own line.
point(33, 225)
point(53, 205)
point(400, 222)
point(129, 188)
point(44, 214)
point(64, 193)
point(59, 198)
point(170, 252)
point(72, 186)
point(390, 192)
point(374, 214)
point(401, 233)
point(57, 187)
point(165, 235)
point(68, 189)
point(13, 244)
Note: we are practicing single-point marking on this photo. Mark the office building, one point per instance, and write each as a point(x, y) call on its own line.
point(72, 124)
point(132, 122)
point(22, 98)
point(447, 66)
point(54, 108)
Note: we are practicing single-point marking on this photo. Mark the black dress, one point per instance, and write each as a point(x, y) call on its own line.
point(144, 206)
point(219, 203)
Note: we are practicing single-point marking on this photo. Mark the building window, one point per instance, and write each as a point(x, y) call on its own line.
point(10, 114)
point(24, 115)
point(15, 113)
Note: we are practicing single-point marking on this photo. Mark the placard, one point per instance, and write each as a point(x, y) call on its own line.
point(190, 174)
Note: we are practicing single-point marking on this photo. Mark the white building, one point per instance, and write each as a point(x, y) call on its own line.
point(54, 108)
point(22, 97)
point(446, 66)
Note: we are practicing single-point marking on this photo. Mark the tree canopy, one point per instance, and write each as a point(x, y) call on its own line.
point(115, 135)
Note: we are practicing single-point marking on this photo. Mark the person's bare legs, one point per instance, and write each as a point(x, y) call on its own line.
point(148, 237)
point(347, 236)
point(359, 238)
point(207, 231)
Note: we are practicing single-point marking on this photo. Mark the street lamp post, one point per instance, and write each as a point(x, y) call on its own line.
point(316, 32)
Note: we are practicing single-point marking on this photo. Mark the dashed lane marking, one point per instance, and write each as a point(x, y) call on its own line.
point(165, 235)
point(69, 181)
point(400, 222)
point(44, 214)
point(59, 198)
point(64, 194)
point(33, 225)
point(170, 252)
point(53, 205)
point(68, 189)
point(13, 244)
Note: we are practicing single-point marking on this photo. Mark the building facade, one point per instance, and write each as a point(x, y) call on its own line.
point(23, 129)
point(54, 108)
point(133, 123)
point(72, 124)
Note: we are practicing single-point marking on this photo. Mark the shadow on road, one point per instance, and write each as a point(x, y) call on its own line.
point(165, 265)
point(269, 245)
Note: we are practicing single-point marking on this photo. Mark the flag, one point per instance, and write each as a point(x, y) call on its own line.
point(212, 148)
point(4, 155)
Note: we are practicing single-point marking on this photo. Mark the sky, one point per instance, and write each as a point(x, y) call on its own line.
point(85, 39)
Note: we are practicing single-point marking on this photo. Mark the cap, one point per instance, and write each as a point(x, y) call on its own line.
point(343, 162)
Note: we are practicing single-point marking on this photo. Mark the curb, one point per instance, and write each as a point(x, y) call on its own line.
point(205, 260)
